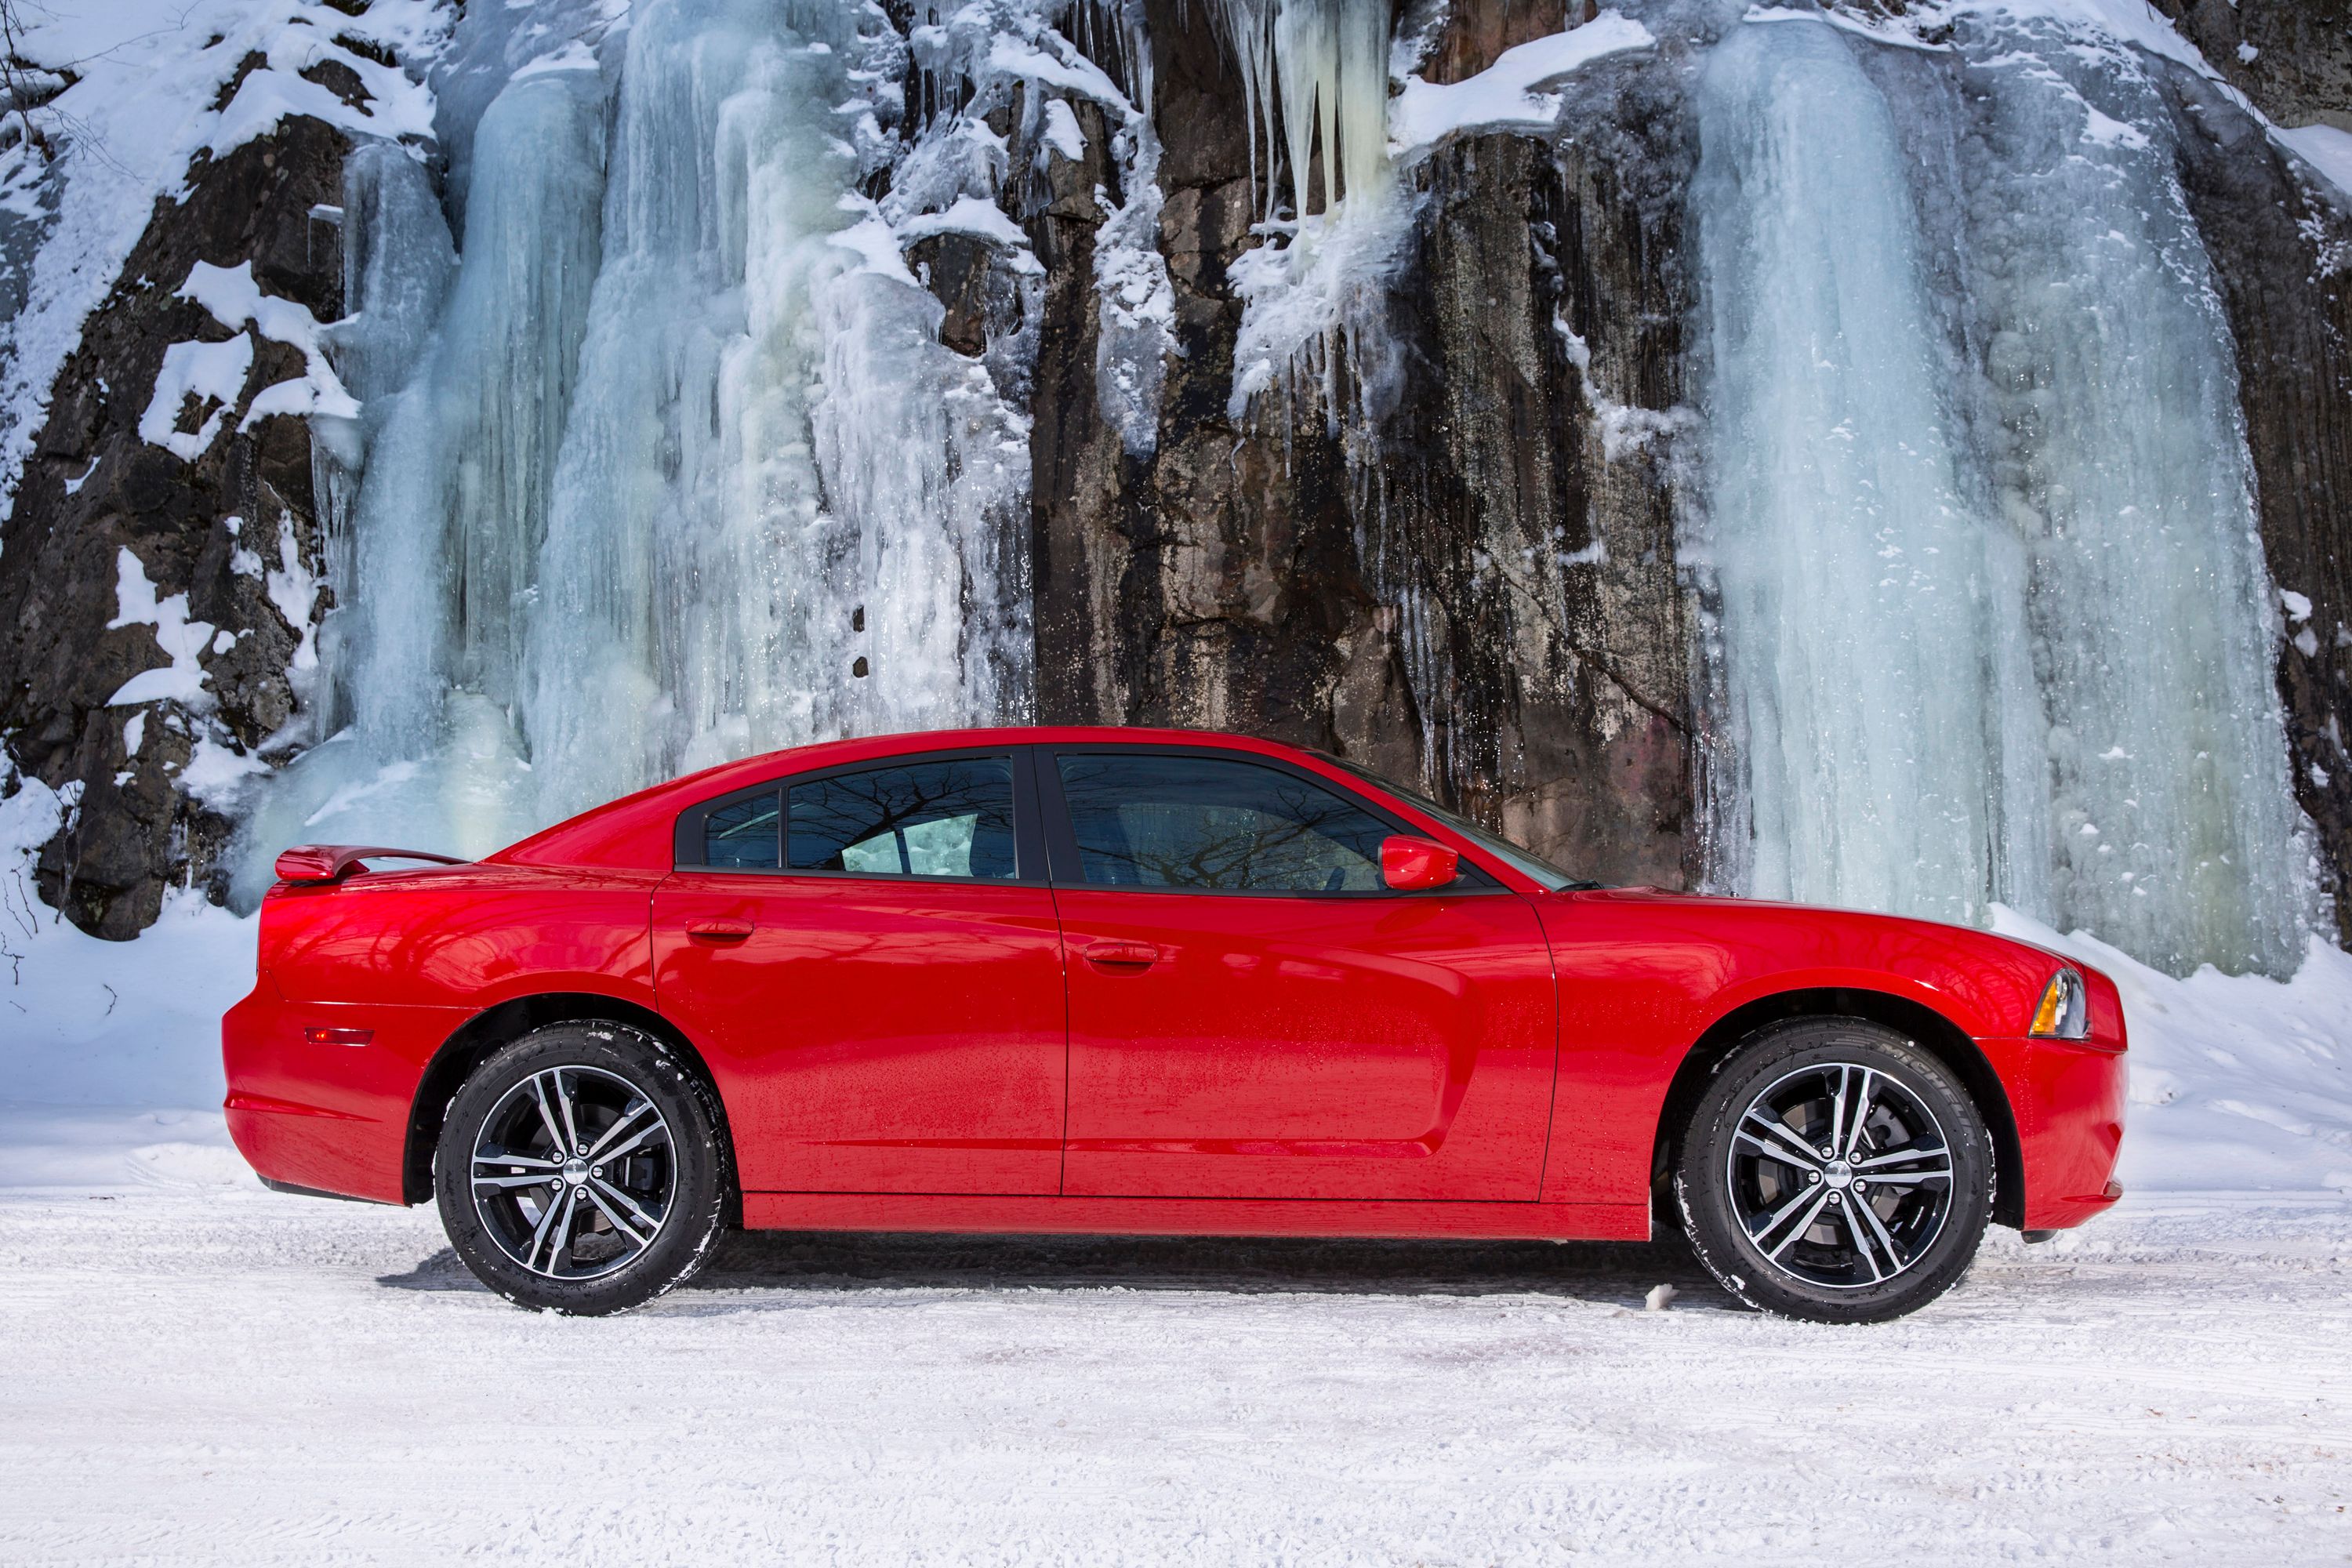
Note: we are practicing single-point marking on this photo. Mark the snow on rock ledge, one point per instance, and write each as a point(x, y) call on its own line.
point(1505, 95)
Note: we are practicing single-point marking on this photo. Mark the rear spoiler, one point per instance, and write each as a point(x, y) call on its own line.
point(332, 862)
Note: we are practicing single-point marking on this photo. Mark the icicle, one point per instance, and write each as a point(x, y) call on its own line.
point(1314, 295)
point(1313, 71)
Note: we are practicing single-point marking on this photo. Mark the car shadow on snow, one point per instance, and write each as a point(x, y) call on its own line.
point(785, 1267)
point(1620, 1274)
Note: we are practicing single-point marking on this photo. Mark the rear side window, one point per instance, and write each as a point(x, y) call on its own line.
point(1147, 820)
point(951, 818)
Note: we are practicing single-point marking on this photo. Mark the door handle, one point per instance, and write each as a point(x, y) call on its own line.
point(1123, 954)
point(719, 931)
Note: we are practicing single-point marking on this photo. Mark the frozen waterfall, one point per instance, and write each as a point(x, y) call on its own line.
point(1871, 627)
point(682, 470)
point(1993, 620)
point(782, 513)
point(661, 461)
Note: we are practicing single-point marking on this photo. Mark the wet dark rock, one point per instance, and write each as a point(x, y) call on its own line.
point(2301, 72)
point(2282, 250)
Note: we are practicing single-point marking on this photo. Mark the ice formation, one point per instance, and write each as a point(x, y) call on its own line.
point(1993, 620)
point(2120, 455)
point(1315, 78)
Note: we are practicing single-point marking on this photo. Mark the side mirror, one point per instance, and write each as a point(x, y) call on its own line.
point(1410, 865)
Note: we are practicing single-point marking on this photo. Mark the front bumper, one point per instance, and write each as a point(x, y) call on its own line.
point(2068, 1099)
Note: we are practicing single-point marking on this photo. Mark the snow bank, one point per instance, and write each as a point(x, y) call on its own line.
point(110, 1051)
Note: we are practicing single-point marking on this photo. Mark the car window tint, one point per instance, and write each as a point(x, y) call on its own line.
point(1160, 821)
point(947, 819)
point(742, 835)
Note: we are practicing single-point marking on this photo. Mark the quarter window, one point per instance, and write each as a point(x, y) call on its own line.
point(743, 835)
point(1164, 821)
point(951, 818)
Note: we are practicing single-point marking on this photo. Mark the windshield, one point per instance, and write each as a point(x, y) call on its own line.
point(1528, 864)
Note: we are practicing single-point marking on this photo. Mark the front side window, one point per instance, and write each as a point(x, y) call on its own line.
point(1152, 820)
point(951, 818)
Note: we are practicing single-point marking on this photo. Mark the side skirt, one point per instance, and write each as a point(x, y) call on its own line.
point(1192, 1216)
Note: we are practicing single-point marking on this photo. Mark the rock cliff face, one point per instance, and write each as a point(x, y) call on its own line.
point(1477, 587)
point(1451, 558)
point(2283, 253)
point(216, 531)
point(2293, 58)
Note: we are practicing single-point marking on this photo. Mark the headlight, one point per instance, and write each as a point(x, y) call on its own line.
point(2063, 1012)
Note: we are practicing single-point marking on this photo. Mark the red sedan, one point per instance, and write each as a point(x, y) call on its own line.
point(1144, 980)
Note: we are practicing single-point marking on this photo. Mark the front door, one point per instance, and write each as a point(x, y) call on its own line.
point(1254, 1014)
point(881, 976)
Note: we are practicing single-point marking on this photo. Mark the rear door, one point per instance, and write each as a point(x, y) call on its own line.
point(873, 952)
point(1254, 1014)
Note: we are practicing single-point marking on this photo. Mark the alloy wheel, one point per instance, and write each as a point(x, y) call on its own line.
point(573, 1172)
point(1840, 1175)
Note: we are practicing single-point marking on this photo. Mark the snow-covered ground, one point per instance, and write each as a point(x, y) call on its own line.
point(206, 1372)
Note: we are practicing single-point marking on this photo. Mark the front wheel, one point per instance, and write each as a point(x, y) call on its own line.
point(582, 1170)
point(1835, 1172)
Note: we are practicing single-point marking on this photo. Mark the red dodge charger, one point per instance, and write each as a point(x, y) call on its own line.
point(1143, 981)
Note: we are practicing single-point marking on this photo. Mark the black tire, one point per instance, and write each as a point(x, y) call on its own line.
point(556, 1238)
point(1881, 1227)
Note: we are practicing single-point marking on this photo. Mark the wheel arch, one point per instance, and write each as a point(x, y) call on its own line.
point(474, 1041)
point(1916, 1021)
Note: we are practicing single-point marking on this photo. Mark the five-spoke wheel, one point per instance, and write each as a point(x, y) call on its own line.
point(1835, 1171)
point(581, 1169)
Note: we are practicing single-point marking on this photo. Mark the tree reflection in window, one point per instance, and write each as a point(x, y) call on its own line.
point(1164, 821)
point(951, 818)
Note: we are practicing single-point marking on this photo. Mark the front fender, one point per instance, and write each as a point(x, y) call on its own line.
point(1644, 976)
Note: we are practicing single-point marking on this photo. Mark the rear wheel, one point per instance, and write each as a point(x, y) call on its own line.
point(581, 1169)
point(1835, 1172)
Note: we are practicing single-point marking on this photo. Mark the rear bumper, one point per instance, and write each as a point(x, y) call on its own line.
point(330, 1118)
point(2068, 1099)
